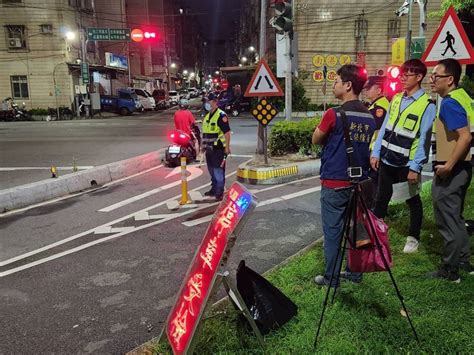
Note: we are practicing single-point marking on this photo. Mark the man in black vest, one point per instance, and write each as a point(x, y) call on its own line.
point(349, 82)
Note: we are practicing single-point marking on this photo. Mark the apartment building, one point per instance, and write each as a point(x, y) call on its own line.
point(41, 50)
point(358, 31)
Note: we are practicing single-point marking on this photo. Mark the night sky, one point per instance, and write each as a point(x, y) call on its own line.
point(219, 21)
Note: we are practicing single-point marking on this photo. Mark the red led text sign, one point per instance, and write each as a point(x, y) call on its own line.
point(199, 280)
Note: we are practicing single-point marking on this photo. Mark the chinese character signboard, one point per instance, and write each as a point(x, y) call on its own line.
point(199, 281)
point(85, 73)
point(108, 34)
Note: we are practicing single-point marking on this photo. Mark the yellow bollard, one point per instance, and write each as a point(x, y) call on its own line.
point(184, 183)
point(54, 172)
point(74, 165)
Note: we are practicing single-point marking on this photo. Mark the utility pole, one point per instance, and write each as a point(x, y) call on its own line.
point(261, 52)
point(84, 60)
point(409, 30)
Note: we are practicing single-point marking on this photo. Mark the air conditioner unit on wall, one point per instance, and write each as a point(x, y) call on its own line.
point(14, 43)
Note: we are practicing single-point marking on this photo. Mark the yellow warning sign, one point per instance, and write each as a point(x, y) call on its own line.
point(264, 112)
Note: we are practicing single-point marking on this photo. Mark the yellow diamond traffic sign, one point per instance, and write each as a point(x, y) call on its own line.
point(264, 112)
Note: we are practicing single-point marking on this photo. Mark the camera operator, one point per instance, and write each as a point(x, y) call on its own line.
point(349, 83)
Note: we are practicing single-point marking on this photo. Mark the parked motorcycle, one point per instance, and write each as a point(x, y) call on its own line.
point(12, 112)
point(183, 145)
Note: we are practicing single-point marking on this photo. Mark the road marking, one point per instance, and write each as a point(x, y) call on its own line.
point(76, 194)
point(208, 218)
point(80, 235)
point(46, 168)
point(195, 173)
point(110, 229)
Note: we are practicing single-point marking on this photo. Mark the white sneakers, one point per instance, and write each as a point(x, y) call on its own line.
point(411, 245)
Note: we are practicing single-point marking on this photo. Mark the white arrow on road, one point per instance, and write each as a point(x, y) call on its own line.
point(110, 229)
point(194, 173)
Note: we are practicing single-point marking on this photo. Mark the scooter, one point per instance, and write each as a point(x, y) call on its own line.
point(15, 113)
point(183, 145)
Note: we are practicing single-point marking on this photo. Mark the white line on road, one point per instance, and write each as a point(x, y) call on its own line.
point(45, 168)
point(102, 240)
point(195, 173)
point(80, 235)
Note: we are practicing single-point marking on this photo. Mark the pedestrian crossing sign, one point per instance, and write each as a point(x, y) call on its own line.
point(449, 41)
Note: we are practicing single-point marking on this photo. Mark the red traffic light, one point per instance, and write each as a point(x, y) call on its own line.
point(393, 84)
point(148, 35)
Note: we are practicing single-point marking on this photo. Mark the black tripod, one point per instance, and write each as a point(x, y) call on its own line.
point(349, 233)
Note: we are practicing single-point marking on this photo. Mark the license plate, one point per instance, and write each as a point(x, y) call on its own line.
point(174, 149)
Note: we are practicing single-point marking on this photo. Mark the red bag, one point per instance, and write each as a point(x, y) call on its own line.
point(369, 259)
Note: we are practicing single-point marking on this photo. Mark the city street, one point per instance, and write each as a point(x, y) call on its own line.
point(98, 272)
point(29, 149)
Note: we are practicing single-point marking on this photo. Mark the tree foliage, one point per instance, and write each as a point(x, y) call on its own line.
point(459, 5)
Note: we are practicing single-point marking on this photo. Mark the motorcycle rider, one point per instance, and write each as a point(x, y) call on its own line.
point(184, 121)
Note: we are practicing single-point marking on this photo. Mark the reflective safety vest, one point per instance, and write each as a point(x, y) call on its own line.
point(383, 103)
point(211, 132)
point(467, 103)
point(402, 132)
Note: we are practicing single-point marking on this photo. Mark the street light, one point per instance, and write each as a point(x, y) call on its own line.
point(251, 49)
point(173, 65)
point(209, 76)
point(185, 72)
point(243, 59)
point(70, 36)
point(217, 72)
point(240, 65)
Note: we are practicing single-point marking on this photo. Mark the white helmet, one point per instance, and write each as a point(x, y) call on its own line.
point(183, 103)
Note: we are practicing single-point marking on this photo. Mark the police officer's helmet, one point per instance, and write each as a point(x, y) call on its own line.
point(183, 104)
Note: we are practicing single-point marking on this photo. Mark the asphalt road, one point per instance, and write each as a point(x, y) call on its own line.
point(98, 272)
point(29, 149)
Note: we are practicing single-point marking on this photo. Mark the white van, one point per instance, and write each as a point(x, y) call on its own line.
point(174, 97)
point(146, 99)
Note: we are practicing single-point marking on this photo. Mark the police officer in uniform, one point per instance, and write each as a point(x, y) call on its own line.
point(378, 107)
point(402, 147)
point(373, 90)
point(216, 144)
point(452, 167)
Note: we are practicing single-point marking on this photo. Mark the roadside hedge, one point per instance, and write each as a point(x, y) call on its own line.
point(289, 137)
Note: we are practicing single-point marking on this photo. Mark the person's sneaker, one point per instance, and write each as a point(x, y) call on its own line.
point(411, 246)
point(445, 274)
point(467, 268)
point(320, 280)
point(349, 276)
point(209, 193)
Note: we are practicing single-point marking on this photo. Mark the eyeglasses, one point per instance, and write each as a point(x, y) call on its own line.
point(405, 76)
point(434, 78)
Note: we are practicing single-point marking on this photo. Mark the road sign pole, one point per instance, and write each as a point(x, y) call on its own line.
point(409, 31)
point(83, 37)
point(261, 51)
point(288, 83)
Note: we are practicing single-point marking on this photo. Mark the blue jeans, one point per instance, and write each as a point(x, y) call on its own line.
point(214, 160)
point(333, 209)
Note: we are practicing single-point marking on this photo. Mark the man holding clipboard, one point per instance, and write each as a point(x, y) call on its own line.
point(452, 168)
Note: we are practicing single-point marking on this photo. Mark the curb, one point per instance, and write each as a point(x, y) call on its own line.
point(277, 174)
point(29, 194)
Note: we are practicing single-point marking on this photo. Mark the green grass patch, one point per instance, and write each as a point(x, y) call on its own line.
point(365, 318)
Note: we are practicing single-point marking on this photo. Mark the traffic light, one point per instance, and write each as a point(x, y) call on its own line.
point(283, 21)
point(143, 34)
point(393, 84)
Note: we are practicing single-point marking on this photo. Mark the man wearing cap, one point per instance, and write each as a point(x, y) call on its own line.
point(216, 144)
point(373, 91)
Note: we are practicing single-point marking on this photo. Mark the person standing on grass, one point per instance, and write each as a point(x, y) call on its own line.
point(402, 147)
point(452, 168)
point(349, 82)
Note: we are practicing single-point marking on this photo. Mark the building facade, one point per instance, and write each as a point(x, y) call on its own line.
point(357, 31)
point(44, 44)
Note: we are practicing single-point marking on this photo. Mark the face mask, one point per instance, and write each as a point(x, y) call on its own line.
point(207, 106)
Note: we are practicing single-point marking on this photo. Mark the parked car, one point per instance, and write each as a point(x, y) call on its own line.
point(145, 98)
point(161, 98)
point(193, 92)
point(124, 103)
point(174, 97)
point(184, 94)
